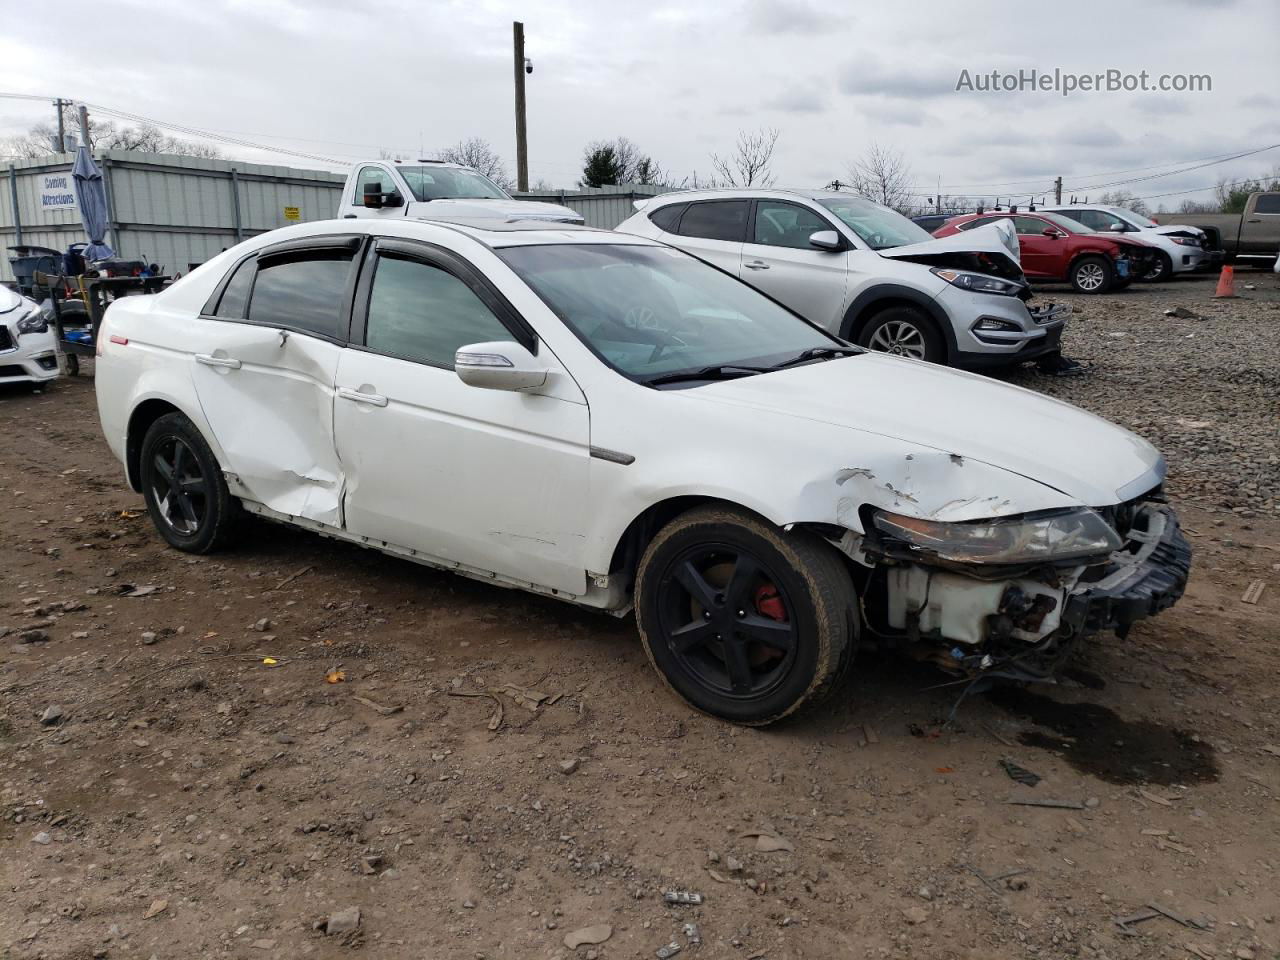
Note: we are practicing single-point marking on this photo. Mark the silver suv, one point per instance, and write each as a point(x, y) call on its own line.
point(864, 272)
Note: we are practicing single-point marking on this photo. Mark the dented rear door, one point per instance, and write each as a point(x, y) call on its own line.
point(266, 381)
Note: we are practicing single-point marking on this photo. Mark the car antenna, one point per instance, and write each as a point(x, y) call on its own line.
point(1031, 204)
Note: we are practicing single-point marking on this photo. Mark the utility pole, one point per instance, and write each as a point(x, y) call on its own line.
point(522, 145)
point(83, 115)
point(1057, 192)
point(62, 128)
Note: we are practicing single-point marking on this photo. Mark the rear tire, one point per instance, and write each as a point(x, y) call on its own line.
point(744, 621)
point(182, 483)
point(1092, 275)
point(904, 332)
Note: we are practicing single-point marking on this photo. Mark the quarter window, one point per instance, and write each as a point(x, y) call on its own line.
point(304, 292)
point(236, 294)
point(666, 218)
point(786, 224)
point(716, 220)
point(420, 312)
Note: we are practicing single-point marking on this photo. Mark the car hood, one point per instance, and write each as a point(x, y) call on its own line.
point(1053, 443)
point(994, 239)
point(491, 209)
point(1176, 230)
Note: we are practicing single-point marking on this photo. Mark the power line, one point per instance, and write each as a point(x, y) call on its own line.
point(1159, 176)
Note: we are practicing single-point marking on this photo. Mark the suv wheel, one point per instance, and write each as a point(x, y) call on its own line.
point(744, 621)
point(904, 332)
point(1161, 271)
point(1092, 275)
point(186, 494)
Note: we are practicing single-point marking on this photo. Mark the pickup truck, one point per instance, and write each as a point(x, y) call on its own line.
point(436, 189)
point(1249, 237)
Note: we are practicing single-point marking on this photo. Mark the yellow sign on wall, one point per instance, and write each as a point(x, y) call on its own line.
point(293, 213)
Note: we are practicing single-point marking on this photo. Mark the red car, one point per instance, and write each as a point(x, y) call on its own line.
point(1057, 248)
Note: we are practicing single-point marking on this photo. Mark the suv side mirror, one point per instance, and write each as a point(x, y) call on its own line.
point(826, 240)
point(373, 195)
point(499, 365)
point(1051, 233)
point(1117, 228)
point(392, 199)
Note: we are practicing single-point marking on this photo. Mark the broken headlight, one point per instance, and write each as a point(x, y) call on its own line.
point(34, 322)
point(977, 282)
point(1055, 535)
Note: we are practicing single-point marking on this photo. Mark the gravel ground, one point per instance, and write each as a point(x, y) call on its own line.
point(1205, 391)
point(362, 794)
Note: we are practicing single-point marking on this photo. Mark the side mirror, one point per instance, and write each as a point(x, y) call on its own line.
point(373, 195)
point(1117, 228)
point(393, 199)
point(499, 365)
point(825, 240)
point(1051, 233)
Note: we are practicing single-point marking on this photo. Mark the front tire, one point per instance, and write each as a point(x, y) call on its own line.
point(1092, 275)
point(182, 483)
point(742, 620)
point(1161, 272)
point(904, 332)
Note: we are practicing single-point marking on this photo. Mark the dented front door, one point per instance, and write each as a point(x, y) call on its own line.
point(268, 395)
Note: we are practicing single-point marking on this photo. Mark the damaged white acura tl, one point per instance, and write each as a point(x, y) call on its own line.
point(607, 420)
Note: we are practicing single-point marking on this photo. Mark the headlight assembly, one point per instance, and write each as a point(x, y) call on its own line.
point(977, 282)
point(34, 322)
point(1056, 535)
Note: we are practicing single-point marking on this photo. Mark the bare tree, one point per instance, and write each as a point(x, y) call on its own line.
point(476, 153)
point(40, 140)
point(1124, 198)
point(751, 163)
point(882, 175)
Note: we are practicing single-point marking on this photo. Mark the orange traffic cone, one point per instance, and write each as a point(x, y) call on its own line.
point(1226, 283)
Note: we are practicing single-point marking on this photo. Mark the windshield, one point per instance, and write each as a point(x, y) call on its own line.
point(879, 227)
point(651, 311)
point(1136, 218)
point(1066, 223)
point(450, 183)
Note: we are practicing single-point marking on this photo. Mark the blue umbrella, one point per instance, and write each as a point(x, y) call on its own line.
point(91, 192)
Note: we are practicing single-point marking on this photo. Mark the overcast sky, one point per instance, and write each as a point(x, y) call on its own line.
point(342, 79)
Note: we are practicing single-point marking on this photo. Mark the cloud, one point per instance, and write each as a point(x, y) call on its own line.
point(790, 16)
point(911, 78)
point(1161, 106)
point(797, 99)
point(895, 113)
point(1262, 100)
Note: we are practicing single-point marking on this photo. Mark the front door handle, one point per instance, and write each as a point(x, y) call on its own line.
point(373, 399)
point(1254, 220)
point(210, 361)
point(756, 265)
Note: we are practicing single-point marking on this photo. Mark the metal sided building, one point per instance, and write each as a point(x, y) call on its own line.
point(170, 210)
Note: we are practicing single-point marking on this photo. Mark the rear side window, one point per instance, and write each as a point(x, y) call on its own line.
point(304, 292)
point(980, 222)
point(666, 218)
point(420, 312)
point(715, 220)
point(1268, 203)
point(236, 294)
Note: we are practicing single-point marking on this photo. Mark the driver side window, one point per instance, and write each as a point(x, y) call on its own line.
point(781, 224)
point(374, 175)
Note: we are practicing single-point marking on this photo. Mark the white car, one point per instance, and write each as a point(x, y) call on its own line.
point(28, 345)
point(436, 189)
point(607, 420)
point(1183, 248)
point(865, 272)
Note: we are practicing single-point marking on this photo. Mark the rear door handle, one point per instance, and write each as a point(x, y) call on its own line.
point(209, 361)
point(373, 399)
point(756, 265)
point(1254, 220)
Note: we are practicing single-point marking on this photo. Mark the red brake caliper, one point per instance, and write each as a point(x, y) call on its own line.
point(769, 603)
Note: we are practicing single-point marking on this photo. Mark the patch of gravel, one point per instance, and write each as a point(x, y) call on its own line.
point(1205, 391)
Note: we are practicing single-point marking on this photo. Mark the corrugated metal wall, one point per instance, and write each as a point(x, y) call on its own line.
point(179, 211)
point(170, 210)
point(603, 207)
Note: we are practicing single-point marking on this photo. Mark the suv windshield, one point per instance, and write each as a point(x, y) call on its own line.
point(879, 227)
point(450, 183)
point(654, 311)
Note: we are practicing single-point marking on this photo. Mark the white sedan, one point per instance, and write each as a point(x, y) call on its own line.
point(604, 419)
point(28, 347)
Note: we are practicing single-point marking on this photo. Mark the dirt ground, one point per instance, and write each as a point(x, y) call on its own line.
point(197, 800)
